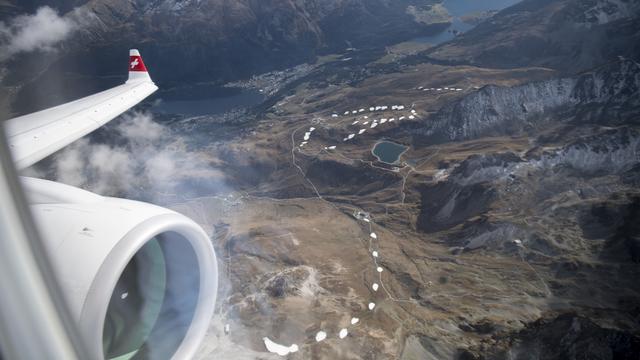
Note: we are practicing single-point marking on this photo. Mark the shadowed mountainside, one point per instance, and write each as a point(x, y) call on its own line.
point(568, 35)
point(187, 42)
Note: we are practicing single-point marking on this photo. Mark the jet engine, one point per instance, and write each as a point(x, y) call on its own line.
point(140, 280)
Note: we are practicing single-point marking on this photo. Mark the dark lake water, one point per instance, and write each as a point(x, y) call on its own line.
point(458, 8)
point(464, 7)
point(388, 152)
point(205, 100)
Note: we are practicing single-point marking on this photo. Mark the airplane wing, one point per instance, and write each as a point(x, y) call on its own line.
point(137, 280)
point(35, 136)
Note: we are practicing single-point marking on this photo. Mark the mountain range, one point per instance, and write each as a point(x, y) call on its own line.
point(508, 229)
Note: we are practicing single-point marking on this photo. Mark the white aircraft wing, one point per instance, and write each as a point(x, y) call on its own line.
point(35, 136)
point(134, 280)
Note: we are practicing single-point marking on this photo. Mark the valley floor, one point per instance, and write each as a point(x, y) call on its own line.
point(476, 247)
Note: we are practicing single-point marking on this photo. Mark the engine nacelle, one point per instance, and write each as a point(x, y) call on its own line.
point(141, 280)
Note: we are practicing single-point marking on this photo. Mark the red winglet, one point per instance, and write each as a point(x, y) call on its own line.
point(137, 70)
point(135, 62)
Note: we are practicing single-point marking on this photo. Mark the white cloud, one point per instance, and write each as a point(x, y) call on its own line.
point(40, 31)
point(148, 163)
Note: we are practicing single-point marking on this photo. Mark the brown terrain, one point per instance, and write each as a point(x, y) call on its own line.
point(509, 229)
point(487, 245)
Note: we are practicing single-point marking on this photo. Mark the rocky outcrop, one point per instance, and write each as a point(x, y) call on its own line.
point(609, 94)
point(611, 152)
point(467, 192)
point(475, 184)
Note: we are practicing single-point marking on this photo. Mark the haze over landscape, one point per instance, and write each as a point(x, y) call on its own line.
point(380, 179)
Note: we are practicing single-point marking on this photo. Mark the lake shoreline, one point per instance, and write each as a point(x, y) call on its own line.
point(406, 148)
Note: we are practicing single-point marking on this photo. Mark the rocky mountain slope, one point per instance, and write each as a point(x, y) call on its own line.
point(607, 95)
point(568, 35)
point(188, 42)
point(509, 229)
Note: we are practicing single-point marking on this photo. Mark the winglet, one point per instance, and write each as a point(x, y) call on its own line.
point(137, 70)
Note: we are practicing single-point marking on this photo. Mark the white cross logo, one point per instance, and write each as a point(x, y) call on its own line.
point(134, 63)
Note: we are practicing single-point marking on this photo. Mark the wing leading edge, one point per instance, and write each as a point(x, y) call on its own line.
point(35, 136)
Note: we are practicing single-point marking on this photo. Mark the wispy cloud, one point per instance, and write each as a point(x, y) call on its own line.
point(149, 162)
point(41, 31)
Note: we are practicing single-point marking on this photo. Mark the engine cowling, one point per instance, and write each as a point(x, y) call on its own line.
point(141, 280)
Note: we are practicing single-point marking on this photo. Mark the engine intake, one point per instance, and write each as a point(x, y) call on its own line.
point(141, 280)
